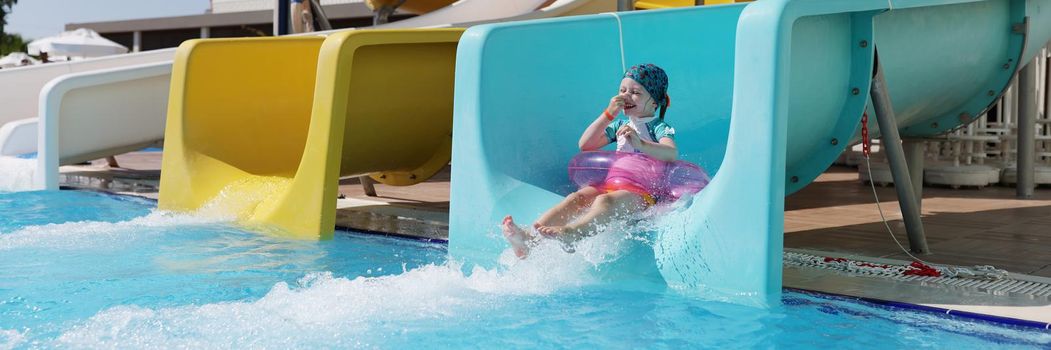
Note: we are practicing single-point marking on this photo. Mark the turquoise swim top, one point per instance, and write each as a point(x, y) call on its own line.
point(656, 129)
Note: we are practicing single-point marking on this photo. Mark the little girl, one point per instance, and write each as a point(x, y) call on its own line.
point(643, 91)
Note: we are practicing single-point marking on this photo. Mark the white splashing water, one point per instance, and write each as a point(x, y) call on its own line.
point(240, 199)
point(228, 206)
point(322, 309)
point(9, 338)
point(16, 174)
point(91, 234)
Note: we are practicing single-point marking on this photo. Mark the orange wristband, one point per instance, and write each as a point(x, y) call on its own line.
point(608, 116)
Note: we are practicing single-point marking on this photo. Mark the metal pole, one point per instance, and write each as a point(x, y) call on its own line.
point(625, 5)
point(382, 15)
point(891, 143)
point(282, 15)
point(136, 41)
point(1026, 131)
point(319, 15)
point(914, 149)
point(1047, 85)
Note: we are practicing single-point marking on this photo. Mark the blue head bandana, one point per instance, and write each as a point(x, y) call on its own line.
point(654, 80)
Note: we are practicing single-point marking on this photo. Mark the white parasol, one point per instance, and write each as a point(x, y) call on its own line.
point(82, 42)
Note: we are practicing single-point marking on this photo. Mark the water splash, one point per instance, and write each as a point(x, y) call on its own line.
point(16, 174)
point(10, 339)
point(239, 199)
point(551, 295)
point(93, 234)
point(321, 309)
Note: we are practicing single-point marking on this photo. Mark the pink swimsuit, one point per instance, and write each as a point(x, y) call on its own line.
point(636, 173)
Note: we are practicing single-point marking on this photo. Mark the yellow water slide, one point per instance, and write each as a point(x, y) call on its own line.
point(263, 128)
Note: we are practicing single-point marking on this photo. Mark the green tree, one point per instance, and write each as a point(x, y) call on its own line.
point(8, 43)
point(12, 43)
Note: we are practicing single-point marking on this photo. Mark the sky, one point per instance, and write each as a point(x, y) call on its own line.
point(34, 19)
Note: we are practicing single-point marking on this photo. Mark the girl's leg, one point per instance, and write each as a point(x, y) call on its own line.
point(603, 210)
point(562, 212)
point(559, 214)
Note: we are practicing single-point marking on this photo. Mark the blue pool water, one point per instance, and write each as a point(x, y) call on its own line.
point(89, 270)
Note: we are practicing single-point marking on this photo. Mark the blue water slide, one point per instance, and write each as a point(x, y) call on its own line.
point(764, 95)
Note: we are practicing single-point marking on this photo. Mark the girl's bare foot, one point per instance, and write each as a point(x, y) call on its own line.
point(551, 231)
point(518, 237)
point(565, 234)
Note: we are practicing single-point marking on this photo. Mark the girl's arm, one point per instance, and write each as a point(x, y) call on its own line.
point(664, 150)
point(594, 136)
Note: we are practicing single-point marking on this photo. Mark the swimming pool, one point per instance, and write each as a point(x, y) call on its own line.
point(83, 269)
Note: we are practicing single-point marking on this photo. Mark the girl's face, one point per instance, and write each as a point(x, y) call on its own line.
point(637, 101)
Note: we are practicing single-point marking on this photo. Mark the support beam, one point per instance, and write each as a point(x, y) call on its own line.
point(625, 5)
point(320, 18)
point(1047, 84)
point(891, 143)
point(136, 41)
point(368, 185)
point(206, 32)
point(1026, 131)
point(382, 14)
point(111, 162)
point(282, 10)
point(914, 149)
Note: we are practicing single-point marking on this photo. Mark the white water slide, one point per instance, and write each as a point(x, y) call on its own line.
point(20, 94)
point(111, 105)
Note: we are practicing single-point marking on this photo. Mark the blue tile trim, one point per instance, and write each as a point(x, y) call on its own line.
point(908, 306)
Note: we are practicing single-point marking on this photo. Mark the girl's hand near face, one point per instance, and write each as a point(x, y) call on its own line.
point(616, 104)
point(594, 137)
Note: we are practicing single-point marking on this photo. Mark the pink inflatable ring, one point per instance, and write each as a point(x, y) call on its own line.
point(665, 181)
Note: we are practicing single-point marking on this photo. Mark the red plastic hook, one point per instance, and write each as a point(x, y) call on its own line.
point(866, 144)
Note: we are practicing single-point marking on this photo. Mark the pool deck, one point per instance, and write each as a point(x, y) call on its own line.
point(835, 216)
